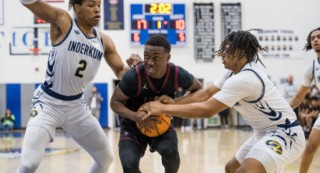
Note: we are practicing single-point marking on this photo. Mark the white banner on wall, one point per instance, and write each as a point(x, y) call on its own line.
point(230, 18)
point(1, 12)
point(281, 43)
point(203, 31)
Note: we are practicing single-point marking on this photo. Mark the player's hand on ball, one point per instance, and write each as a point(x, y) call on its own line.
point(152, 108)
point(161, 124)
point(148, 123)
point(133, 60)
point(166, 99)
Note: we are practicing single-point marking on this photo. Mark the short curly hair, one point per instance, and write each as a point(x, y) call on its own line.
point(73, 2)
point(159, 40)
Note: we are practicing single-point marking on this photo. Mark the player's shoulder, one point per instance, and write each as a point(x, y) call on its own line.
point(179, 68)
point(104, 36)
point(107, 41)
point(130, 75)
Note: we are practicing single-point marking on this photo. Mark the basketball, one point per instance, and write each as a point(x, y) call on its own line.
point(161, 127)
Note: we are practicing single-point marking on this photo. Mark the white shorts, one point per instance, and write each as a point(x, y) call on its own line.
point(316, 124)
point(275, 149)
point(50, 113)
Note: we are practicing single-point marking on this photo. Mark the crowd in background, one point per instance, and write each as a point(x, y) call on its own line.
point(309, 110)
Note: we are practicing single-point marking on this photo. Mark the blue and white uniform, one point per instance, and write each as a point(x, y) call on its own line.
point(278, 138)
point(59, 102)
point(72, 64)
point(312, 74)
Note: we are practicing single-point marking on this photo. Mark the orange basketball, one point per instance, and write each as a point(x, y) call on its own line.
point(161, 127)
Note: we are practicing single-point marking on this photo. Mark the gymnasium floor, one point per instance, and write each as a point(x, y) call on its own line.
point(201, 151)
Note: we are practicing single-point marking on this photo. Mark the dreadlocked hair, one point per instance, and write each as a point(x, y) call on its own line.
point(73, 2)
point(242, 43)
point(159, 40)
point(308, 45)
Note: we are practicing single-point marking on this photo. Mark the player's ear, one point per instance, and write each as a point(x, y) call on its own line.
point(169, 56)
point(76, 8)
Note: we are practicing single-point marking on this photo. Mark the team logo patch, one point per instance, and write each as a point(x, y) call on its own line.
point(275, 146)
point(33, 113)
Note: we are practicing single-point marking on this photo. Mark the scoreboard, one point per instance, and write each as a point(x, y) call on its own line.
point(166, 19)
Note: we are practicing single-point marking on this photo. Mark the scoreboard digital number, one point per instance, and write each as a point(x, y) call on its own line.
point(166, 19)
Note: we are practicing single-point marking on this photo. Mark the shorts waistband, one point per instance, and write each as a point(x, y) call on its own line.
point(59, 96)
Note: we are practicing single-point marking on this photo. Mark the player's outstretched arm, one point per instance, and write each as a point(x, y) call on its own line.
point(198, 96)
point(113, 58)
point(299, 97)
point(204, 109)
point(45, 11)
point(117, 105)
point(59, 19)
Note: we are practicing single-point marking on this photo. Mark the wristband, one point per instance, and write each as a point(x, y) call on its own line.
point(28, 1)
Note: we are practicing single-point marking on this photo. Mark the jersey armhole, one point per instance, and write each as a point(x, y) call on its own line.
point(66, 36)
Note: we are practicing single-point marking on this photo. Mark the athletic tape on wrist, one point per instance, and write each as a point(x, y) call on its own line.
point(28, 1)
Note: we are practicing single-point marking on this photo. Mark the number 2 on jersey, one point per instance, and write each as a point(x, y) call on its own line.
point(81, 68)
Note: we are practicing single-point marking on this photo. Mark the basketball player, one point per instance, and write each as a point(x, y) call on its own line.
point(147, 81)
point(78, 48)
point(312, 73)
point(278, 138)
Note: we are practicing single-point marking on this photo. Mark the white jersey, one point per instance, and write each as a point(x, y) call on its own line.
point(73, 63)
point(256, 98)
point(312, 73)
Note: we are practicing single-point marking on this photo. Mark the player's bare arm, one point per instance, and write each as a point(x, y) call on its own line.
point(113, 58)
point(60, 20)
point(299, 97)
point(199, 96)
point(204, 109)
point(117, 105)
point(196, 86)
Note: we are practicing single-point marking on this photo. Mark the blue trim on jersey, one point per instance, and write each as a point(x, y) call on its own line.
point(55, 45)
point(263, 86)
point(36, 85)
point(313, 75)
point(13, 101)
point(59, 96)
point(94, 31)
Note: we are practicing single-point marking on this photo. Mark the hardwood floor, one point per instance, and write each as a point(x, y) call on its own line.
point(201, 151)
